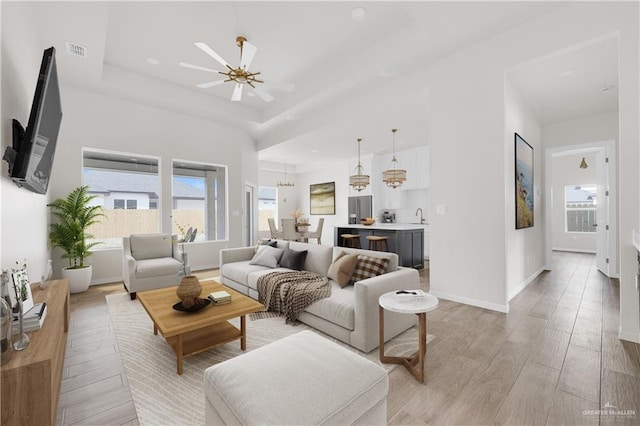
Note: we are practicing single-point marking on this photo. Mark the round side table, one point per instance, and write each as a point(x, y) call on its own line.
point(420, 306)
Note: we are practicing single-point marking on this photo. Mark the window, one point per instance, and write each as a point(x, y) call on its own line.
point(199, 200)
point(128, 188)
point(267, 206)
point(580, 207)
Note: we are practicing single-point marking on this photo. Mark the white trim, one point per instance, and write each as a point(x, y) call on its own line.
point(630, 336)
point(526, 282)
point(203, 267)
point(574, 250)
point(470, 301)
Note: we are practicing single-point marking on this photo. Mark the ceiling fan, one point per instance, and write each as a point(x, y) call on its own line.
point(240, 75)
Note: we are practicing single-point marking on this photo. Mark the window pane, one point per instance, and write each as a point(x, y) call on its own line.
point(125, 186)
point(199, 201)
point(580, 207)
point(267, 206)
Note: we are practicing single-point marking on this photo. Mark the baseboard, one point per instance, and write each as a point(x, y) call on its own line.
point(203, 267)
point(107, 280)
point(631, 336)
point(470, 301)
point(572, 250)
point(526, 282)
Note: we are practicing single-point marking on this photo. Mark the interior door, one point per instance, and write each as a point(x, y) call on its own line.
point(249, 233)
point(602, 213)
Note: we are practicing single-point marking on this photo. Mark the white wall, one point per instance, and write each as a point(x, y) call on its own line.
point(96, 121)
point(23, 214)
point(525, 247)
point(566, 171)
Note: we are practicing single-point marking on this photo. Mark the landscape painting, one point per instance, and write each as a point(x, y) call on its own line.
point(524, 183)
point(323, 198)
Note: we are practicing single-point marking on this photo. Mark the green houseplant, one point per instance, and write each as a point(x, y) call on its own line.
point(74, 214)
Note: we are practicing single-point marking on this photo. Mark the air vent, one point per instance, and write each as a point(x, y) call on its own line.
point(76, 49)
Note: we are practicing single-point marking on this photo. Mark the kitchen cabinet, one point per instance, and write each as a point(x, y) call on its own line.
point(407, 241)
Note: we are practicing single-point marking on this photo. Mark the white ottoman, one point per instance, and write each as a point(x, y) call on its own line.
point(303, 379)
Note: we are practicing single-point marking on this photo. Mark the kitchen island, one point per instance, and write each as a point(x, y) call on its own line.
point(406, 240)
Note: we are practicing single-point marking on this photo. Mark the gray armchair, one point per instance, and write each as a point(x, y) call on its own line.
point(150, 261)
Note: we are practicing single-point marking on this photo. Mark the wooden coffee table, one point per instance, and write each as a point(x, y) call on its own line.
point(192, 333)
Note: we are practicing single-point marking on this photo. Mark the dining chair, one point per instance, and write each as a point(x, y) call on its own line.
point(275, 234)
point(317, 234)
point(289, 230)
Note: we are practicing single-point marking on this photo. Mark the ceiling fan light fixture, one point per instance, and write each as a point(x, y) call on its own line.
point(359, 180)
point(394, 176)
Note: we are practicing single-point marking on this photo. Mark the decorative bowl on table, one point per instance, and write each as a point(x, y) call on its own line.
point(368, 221)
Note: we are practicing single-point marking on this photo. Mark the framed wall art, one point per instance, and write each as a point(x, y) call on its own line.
point(323, 198)
point(523, 183)
point(21, 289)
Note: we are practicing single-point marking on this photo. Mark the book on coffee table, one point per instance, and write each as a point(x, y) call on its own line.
point(220, 297)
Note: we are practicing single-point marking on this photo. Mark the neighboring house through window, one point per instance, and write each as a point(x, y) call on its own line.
point(580, 208)
point(128, 187)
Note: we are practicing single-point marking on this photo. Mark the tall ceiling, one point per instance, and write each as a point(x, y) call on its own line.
point(348, 74)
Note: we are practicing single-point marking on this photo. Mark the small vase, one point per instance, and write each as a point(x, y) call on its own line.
point(188, 290)
point(23, 340)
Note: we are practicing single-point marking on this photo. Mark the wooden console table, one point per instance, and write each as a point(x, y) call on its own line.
point(31, 379)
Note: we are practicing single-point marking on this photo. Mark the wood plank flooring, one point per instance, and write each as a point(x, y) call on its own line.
point(554, 359)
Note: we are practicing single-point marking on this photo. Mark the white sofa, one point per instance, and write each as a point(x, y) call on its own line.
point(150, 261)
point(350, 314)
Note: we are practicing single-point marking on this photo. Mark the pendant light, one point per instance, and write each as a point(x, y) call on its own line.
point(359, 180)
point(286, 183)
point(583, 164)
point(394, 176)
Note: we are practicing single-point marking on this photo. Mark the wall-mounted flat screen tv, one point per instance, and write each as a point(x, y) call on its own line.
point(31, 157)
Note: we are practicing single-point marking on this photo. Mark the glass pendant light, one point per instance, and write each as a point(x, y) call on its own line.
point(394, 176)
point(359, 180)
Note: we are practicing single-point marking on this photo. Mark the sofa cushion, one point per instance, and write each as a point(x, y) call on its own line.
point(268, 242)
point(342, 268)
point(368, 267)
point(267, 256)
point(240, 271)
point(293, 259)
point(318, 257)
point(393, 258)
point(157, 267)
point(339, 308)
point(150, 246)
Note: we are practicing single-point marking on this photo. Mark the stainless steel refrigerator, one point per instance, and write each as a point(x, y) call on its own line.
point(360, 207)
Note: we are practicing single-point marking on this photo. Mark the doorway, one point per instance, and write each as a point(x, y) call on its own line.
point(602, 158)
point(249, 216)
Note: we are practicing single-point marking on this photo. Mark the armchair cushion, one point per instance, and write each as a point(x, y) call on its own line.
point(157, 267)
point(151, 246)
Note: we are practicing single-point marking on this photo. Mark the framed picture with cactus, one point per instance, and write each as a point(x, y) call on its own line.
point(22, 289)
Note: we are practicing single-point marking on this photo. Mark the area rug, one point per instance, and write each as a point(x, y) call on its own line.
point(161, 397)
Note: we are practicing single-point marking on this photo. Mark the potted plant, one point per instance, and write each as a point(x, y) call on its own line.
point(74, 214)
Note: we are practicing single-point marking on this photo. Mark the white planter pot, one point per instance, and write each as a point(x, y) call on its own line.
point(79, 279)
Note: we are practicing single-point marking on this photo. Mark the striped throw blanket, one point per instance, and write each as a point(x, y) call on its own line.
point(289, 293)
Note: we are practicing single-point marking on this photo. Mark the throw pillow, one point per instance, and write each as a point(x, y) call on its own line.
point(342, 268)
point(293, 259)
point(269, 242)
point(267, 256)
point(368, 267)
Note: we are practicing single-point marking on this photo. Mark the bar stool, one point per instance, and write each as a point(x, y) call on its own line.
point(376, 243)
point(350, 240)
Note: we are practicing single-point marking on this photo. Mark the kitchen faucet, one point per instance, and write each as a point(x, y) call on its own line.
point(421, 215)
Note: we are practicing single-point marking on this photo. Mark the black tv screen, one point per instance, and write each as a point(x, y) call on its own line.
point(35, 150)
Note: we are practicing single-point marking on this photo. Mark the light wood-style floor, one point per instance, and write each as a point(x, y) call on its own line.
point(554, 359)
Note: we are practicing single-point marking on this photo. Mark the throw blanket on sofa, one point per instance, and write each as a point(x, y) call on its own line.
point(289, 293)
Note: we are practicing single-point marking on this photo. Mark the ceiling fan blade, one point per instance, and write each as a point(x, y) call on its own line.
point(209, 51)
point(237, 92)
point(285, 87)
point(248, 52)
point(197, 67)
point(210, 84)
point(263, 95)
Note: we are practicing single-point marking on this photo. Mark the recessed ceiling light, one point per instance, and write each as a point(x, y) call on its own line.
point(388, 72)
point(153, 61)
point(358, 13)
point(566, 73)
point(314, 151)
point(251, 94)
point(293, 117)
